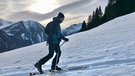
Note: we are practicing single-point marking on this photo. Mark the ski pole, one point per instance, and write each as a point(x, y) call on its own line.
point(62, 43)
point(58, 55)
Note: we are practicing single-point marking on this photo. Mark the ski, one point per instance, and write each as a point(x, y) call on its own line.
point(47, 72)
point(52, 72)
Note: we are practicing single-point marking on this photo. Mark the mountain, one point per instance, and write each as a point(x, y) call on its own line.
point(25, 33)
point(75, 28)
point(20, 34)
point(107, 50)
point(5, 23)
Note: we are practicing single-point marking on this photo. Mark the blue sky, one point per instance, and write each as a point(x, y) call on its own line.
point(44, 10)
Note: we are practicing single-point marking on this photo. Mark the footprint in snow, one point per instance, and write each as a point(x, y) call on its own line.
point(70, 57)
point(18, 61)
point(115, 54)
point(106, 50)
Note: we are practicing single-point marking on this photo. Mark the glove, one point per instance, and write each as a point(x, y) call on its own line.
point(59, 39)
point(66, 39)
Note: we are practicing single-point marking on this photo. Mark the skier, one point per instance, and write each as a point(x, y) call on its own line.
point(53, 30)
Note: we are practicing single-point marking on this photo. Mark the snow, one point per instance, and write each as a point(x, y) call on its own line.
point(107, 50)
point(24, 37)
point(4, 23)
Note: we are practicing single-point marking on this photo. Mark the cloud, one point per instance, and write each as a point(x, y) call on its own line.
point(8, 7)
point(75, 11)
point(25, 15)
point(4, 7)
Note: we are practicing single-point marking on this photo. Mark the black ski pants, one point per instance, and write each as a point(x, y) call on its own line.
point(52, 48)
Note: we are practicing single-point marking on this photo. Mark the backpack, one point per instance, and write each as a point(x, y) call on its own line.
point(47, 29)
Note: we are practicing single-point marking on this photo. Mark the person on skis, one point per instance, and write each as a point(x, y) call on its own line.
point(53, 30)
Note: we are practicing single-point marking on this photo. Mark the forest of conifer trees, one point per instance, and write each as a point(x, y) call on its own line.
point(114, 8)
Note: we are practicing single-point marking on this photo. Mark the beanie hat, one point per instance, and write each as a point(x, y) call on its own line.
point(61, 15)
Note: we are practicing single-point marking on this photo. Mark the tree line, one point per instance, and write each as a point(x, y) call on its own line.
point(114, 8)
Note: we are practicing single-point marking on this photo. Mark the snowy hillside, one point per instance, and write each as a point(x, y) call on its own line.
point(107, 50)
point(72, 29)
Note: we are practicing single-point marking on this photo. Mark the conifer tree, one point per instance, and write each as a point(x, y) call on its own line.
point(83, 26)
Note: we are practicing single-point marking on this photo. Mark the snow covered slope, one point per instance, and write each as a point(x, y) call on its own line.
point(108, 50)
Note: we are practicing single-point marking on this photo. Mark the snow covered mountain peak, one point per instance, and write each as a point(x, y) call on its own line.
point(20, 34)
point(31, 23)
point(75, 28)
point(4, 23)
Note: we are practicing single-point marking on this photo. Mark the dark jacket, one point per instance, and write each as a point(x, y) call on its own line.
point(55, 31)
